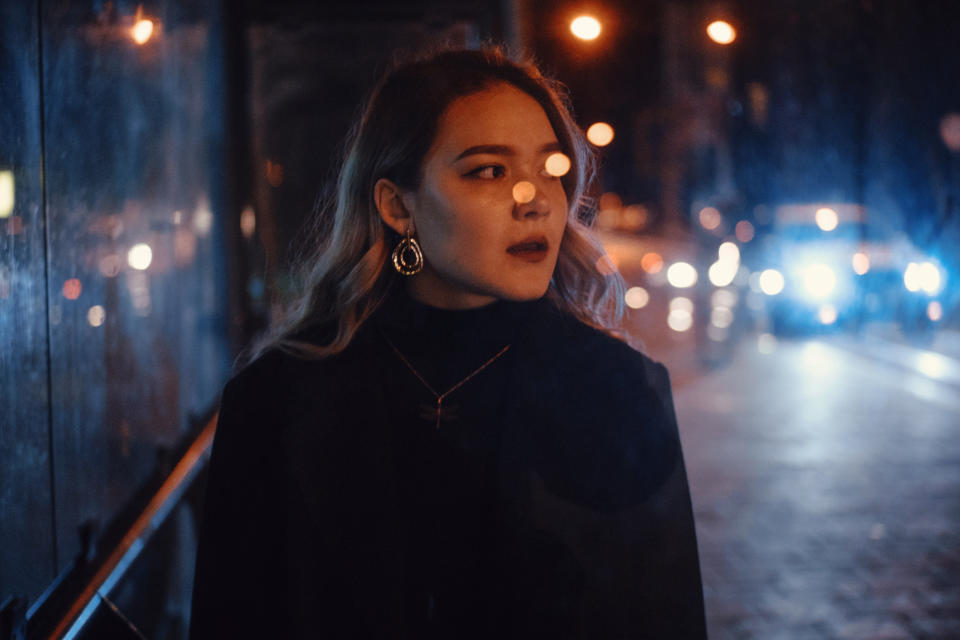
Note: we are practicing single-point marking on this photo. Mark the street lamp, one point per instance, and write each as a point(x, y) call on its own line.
point(585, 27)
point(142, 31)
point(721, 32)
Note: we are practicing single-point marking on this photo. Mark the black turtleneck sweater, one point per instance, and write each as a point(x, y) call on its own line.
point(449, 474)
point(550, 502)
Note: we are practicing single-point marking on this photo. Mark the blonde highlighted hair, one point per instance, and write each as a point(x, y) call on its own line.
point(347, 272)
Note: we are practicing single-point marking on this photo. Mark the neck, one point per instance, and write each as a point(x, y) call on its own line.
point(428, 288)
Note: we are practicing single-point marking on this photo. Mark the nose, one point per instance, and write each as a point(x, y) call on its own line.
point(530, 201)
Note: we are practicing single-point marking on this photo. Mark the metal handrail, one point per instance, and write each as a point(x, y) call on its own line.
point(135, 539)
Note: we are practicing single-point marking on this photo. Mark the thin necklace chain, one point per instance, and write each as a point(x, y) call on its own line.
point(441, 396)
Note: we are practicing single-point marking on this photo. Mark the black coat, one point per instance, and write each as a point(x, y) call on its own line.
point(332, 513)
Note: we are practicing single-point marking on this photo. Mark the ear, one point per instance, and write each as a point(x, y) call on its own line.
point(388, 198)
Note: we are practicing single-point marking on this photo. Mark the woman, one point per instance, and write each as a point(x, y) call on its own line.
point(447, 440)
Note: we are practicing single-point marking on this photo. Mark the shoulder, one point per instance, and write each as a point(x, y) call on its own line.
point(564, 340)
point(267, 390)
point(279, 367)
point(600, 413)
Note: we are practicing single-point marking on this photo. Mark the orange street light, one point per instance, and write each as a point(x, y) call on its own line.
point(141, 31)
point(585, 27)
point(721, 32)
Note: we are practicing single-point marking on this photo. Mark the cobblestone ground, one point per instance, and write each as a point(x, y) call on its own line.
point(826, 485)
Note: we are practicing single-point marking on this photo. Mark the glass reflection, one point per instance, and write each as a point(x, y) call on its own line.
point(6, 193)
point(72, 289)
point(96, 315)
point(140, 256)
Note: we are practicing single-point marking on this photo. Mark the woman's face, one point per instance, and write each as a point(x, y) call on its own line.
point(486, 235)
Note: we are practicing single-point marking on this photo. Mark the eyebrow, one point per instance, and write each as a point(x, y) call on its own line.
point(502, 150)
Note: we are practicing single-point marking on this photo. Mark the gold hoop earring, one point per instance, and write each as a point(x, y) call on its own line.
point(407, 256)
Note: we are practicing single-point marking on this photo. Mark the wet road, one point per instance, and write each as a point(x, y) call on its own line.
point(826, 484)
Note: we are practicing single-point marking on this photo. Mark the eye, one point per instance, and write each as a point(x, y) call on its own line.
point(488, 172)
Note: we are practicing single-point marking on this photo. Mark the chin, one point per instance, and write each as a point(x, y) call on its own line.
point(524, 292)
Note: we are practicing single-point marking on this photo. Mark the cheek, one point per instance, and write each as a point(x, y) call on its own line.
point(455, 225)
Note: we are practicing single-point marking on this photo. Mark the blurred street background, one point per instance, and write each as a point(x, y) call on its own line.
point(779, 186)
point(823, 466)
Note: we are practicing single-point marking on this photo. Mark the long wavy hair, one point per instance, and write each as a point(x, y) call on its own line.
point(347, 272)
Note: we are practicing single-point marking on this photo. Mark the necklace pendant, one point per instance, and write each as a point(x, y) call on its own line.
point(438, 413)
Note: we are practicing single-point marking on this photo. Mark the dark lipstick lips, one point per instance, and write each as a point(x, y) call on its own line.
point(535, 244)
point(533, 249)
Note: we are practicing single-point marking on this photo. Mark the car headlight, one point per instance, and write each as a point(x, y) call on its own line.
point(819, 280)
point(923, 277)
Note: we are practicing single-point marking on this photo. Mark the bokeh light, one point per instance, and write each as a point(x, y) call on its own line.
point(766, 343)
point(721, 317)
point(682, 275)
point(524, 192)
point(929, 278)
point(744, 231)
point(819, 280)
point(680, 320)
point(826, 218)
point(950, 131)
point(636, 297)
point(729, 252)
point(557, 164)
point(275, 173)
point(935, 311)
point(710, 218)
point(651, 262)
point(827, 314)
point(723, 298)
point(609, 210)
point(861, 263)
point(606, 266)
point(142, 31)
point(923, 276)
point(721, 32)
point(203, 218)
point(585, 27)
point(600, 134)
point(248, 222)
point(610, 201)
point(140, 256)
point(634, 217)
point(911, 277)
point(96, 315)
point(6, 193)
point(681, 303)
point(72, 289)
point(722, 272)
point(771, 282)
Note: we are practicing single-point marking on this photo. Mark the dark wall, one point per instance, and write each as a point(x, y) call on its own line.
point(27, 549)
point(105, 355)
